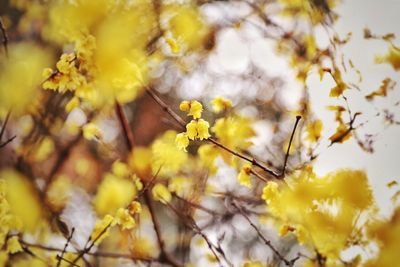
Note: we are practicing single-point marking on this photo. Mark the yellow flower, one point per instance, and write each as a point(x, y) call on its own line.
point(124, 219)
point(202, 129)
point(219, 104)
point(135, 207)
point(184, 106)
point(120, 169)
point(285, 229)
point(91, 131)
point(314, 129)
point(244, 176)
point(182, 141)
point(66, 63)
point(301, 234)
point(180, 185)
point(173, 44)
point(270, 192)
point(234, 131)
point(13, 245)
point(191, 129)
point(113, 192)
point(167, 158)
point(102, 228)
point(194, 107)
point(161, 193)
point(73, 103)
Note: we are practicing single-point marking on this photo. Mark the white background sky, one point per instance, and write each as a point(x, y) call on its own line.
point(383, 165)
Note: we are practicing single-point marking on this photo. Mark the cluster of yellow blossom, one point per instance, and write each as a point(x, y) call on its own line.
point(321, 211)
point(20, 77)
point(196, 128)
point(110, 40)
point(117, 190)
point(386, 233)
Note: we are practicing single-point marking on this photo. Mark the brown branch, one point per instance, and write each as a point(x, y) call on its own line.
point(102, 254)
point(3, 128)
point(266, 241)
point(88, 248)
point(61, 256)
point(130, 141)
point(128, 135)
point(197, 206)
point(345, 133)
point(182, 123)
point(7, 141)
point(290, 144)
point(61, 159)
point(5, 36)
point(192, 225)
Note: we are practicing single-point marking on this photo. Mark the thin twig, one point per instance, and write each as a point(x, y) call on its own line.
point(130, 141)
point(266, 241)
point(3, 128)
point(198, 206)
point(60, 257)
point(7, 141)
point(290, 144)
point(88, 248)
point(192, 225)
point(182, 123)
point(5, 36)
point(102, 254)
point(128, 135)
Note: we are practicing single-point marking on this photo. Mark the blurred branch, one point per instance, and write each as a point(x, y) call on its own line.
point(60, 257)
point(7, 141)
point(5, 36)
point(128, 135)
point(266, 241)
point(102, 254)
point(182, 123)
point(290, 144)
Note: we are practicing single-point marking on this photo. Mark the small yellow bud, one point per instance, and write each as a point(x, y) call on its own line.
point(91, 131)
point(161, 193)
point(244, 176)
point(184, 106)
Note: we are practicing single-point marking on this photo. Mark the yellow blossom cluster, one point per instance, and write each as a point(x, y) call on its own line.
point(196, 128)
point(321, 211)
point(116, 190)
